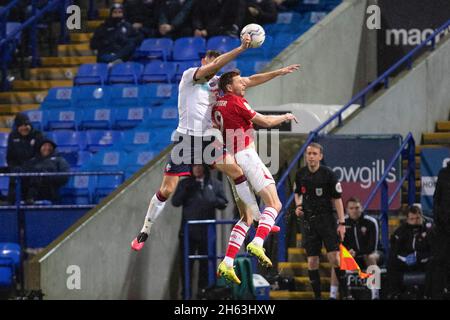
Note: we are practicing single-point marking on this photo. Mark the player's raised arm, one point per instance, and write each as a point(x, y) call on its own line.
point(219, 62)
point(261, 78)
point(272, 121)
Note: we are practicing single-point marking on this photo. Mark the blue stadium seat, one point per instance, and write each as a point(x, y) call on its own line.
point(105, 185)
point(282, 42)
point(126, 118)
point(9, 263)
point(222, 43)
point(139, 138)
point(3, 162)
point(91, 97)
point(98, 139)
point(288, 22)
point(127, 72)
point(58, 98)
point(311, 18)
point(155, 48)
point(183, 66)
point(91, 73)
point(157, 71)
point(250, 66)
point(96, 119)
point(83, 158)
point(125, 96)
point(38, 118)
point(4, 140)
point(189, 48)
point(154, 94)
point(317, 5)
point(108, 160)
point(4, 185)
point(64, 119)
point(12, 27)
point(79, 190)
point(68, 141)
point(258, 53)
point(137, 160)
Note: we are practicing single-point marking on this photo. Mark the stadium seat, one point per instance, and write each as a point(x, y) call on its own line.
point(105, 185)
point(258, 53)
point(4, 140)
point(126, 118)
point(317, 5)
point(125, 96)
point(83, 158)
point(108, 160)
point(137, 160)
point(157, 71)
point(91, 97)
point(38, 118)
point(91, 74)
point(222, 43)
point(127, 72)
point(65, 119)
point(189, 48)
point(58, 98)
point(79, 190)
point(282, 42)
point(10, 255)
point(183, 66)
point(4, 185)
point(98, 139)
point(96, 119)
point(68, 141)
point(140, 138)
point(154, 94)
point(155, 48)
point(3, 162)
point(250, 66)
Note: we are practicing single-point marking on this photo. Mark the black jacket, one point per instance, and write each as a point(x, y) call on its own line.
point(441, 200)
point(361, 235)
point(141, 11)
point(176, 13)
point(21, 149)
point(408, 239)
point(199, 203)
point(267, 12)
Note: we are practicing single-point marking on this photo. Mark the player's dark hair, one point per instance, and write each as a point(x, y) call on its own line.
point(413, 210)
point(352, 199)
point(316, 145)
point(227, 78)
point(212, 54)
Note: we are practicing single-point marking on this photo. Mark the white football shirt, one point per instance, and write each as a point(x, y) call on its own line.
point(195, 102)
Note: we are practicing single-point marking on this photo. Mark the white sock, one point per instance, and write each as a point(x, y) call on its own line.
point(246, 195)
point(154, 210)
point(333, 291)
point(375, 294)
point(235, 242)
point(265, 225)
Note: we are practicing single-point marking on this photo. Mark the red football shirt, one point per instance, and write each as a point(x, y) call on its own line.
point(232, 114)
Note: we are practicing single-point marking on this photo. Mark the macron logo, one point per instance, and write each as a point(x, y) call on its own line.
point(411, 37)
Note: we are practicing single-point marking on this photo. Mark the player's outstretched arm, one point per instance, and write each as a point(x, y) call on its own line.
point(261, 78)
point(272, 121)
point(219, 62)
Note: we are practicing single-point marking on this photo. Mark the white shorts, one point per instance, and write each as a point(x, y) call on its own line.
point(254, 169)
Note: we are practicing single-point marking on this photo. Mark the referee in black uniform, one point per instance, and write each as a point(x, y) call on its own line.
point(316, 188)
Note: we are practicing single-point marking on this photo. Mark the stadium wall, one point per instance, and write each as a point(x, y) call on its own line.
point(414, 103)
point(97, 249)
point(337, 57)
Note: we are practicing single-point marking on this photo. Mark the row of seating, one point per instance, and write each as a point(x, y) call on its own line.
point(10, 256)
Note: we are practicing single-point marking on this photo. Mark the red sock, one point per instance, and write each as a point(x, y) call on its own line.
point(266, 222)
point(237, 238)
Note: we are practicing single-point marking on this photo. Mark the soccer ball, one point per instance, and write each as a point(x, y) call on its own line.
point(256, 33)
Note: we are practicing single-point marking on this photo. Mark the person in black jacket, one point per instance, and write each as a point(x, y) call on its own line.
point(143, 16)
point(199, 195)
point(45, 188)
point(116, 39)
point(409, 250)
point(440, 243)
point(218, 17)
point(361, 240)
point(175, 18)
point(23, 144)
point(261, 12)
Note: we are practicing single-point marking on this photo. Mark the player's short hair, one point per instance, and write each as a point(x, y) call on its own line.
point(316, 145)
point(212, 54)
point(352, 199)
point(227, 78)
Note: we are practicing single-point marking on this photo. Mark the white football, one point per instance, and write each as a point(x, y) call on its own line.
point(257, 34)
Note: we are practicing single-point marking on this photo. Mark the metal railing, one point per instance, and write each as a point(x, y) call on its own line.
point(338, 117)
point(406, 152)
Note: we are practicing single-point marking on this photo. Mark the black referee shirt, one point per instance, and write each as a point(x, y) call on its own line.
point(317, 190)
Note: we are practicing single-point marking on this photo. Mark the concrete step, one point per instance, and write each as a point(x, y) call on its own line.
point(94, 24)
point(22, 97)
point(7, 121)
point(299, 255)
point(81, 37)
point(436, 138)
point(425, 146)
point(300, 269)
point(303, 283)
point(418, 182)
point(40, 84)
point(417, 159)
point(103, 13)
point(6, 109)
point(443, 126)
point(67, 61)
point(53, 73)
point(70, 50)
point(295, 295)
point(5, 130)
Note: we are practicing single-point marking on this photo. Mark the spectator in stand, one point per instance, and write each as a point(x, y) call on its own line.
point(218, 17)
point(175, 18)
point(23, 144)
point(199, 195)
point(261, 12)
point(409, 251)
point(116, 39)
point(45, 188)
point(143, 16)
point(286, 5)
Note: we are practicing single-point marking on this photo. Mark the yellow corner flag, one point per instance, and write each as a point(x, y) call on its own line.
point(349, 263)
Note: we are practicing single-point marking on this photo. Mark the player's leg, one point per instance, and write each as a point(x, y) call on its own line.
point(334, 285)
point(312, 245)
point(314, 275)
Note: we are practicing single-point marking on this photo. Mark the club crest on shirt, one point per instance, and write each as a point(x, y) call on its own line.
point(168, 166)
point(247, 106)
point(363, 230)
point(32, 142)
point(339, 187)
point(303, 190)
point(319, 192)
